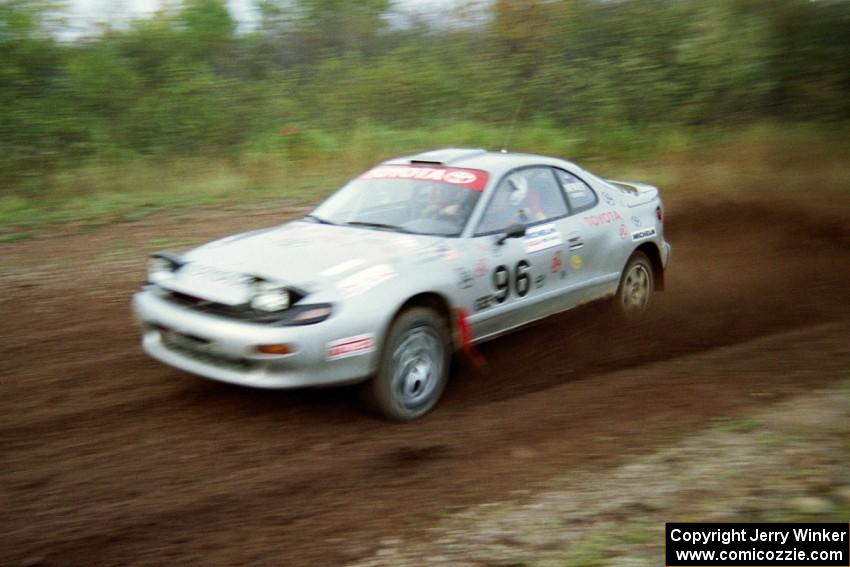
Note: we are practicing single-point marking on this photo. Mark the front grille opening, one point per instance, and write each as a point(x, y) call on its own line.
point(185, 297)
point(209, 358)
point(239, 312)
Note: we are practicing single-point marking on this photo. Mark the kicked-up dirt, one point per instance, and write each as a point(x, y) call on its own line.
point(110, 458)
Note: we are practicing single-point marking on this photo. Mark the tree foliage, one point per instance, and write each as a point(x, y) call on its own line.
point(185, 82)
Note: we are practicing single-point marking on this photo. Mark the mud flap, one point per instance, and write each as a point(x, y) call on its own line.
point(467, 346)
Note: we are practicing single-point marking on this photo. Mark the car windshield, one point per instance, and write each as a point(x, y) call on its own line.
point(416, 199)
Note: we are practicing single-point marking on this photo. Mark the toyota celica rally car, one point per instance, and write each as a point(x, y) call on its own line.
point(413, 260)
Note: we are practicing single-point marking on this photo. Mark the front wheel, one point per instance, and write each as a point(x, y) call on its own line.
point(637, 285)
point(414, 365)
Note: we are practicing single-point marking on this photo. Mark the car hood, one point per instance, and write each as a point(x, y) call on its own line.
point(309, 256)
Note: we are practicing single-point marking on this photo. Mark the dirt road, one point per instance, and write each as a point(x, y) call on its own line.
point(109, 458)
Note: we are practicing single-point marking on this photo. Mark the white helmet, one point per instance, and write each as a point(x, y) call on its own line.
point(519, 185)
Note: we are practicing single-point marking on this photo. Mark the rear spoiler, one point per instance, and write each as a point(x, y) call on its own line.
point(641, 193)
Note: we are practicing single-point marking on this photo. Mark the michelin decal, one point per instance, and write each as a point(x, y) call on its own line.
point(542, 237)
point(643, 234)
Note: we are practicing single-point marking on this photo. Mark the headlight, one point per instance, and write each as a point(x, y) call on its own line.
point(270, 297)
point(161, 267)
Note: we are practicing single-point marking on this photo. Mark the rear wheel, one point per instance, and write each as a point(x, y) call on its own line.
point(414, 365)
point(637, 285)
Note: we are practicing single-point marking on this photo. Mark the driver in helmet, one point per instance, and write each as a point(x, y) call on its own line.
point(514, 202)
point(524, 200)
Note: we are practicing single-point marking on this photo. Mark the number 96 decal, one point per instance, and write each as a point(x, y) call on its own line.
point(504, 282)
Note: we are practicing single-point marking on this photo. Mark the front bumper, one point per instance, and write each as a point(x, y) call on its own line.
point(224, 349)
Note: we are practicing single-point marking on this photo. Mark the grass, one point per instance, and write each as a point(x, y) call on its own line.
point(592, 551)
point(105, 194)
point(742, 425)
point(165, 242)
point(764, 157)
point(15, 237)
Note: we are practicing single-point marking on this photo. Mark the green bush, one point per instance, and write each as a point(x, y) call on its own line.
point(330, 82)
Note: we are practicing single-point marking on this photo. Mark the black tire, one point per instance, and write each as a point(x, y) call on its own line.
point(407, 386)
point(637, 285)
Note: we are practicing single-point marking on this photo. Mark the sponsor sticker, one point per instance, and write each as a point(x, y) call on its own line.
point(642, 234)
point(212, 284)
point(624, 232)
point(542, 237)
point(484, 302)
point(470, 178)
point(343, 267)
point(406, 241)
point(557, 262)
point(460, 177)
point(283, 242)
point(576, 189)
point(576, 262)
point(364, 280)
point(636, 221)
point(433, 253)
point(602, 218)
point(482, 268)
point(350, 346)
point(464, 278)
point(609, 199)
point(424, 255)
point(213, 275)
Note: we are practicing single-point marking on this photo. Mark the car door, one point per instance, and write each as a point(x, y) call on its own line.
point(523, 274)
point(594, 226)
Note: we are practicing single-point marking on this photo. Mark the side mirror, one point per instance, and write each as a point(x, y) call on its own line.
point(515, 230)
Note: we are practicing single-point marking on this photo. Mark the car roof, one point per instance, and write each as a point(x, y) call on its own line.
point(495, 163)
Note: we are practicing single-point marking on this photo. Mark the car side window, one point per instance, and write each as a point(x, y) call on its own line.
point(579, 194)
point(526, 196)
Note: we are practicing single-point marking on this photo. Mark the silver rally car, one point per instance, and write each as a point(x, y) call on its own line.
point(415, 259)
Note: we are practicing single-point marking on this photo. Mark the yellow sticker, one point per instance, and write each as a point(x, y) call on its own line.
point(576, 262)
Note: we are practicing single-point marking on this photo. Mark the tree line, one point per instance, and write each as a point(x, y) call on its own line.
point(185, 82)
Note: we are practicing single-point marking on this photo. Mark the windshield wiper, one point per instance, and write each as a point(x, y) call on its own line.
point(318, 219)
point(379, 225)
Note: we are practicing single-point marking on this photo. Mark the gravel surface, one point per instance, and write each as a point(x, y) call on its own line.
point(787, 463)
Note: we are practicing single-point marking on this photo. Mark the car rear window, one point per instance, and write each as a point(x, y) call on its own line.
point(580, 196)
